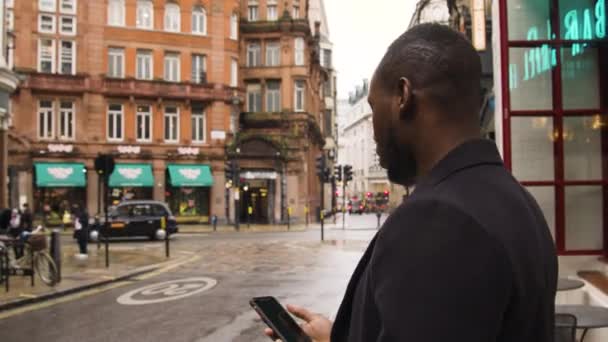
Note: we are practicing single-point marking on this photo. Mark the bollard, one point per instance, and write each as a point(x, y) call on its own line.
point(306, 214)
point(56, 251)
point(288, 218)
point(214, 222)
point(163, 226)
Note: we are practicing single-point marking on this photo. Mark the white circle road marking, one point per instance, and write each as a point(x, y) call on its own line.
point(168, 290)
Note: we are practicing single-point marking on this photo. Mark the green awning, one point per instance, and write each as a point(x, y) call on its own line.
point(132, 175)
point(60, 175)
point(190, 175)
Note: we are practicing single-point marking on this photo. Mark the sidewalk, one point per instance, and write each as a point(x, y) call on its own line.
point(253, 228)
point(125, 262)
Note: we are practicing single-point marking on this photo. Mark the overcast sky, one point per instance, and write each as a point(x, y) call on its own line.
point(361, 30)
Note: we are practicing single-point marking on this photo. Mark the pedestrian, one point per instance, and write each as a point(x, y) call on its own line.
point(81, 229)
point(27, 218)
point(15, 229)
point(469, 255)
point(66, 219)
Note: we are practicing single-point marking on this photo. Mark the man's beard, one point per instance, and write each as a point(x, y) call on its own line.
point(402, 165)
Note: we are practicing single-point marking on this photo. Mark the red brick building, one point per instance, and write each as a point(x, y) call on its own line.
point(159, 84)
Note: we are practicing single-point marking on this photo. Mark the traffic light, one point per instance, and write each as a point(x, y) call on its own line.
point(230, 171)
point(348, 173)
point(338, 173)
point(321, 168)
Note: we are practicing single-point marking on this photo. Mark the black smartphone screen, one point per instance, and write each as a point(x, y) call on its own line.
point(279, 320)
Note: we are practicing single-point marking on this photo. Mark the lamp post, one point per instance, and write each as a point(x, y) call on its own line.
point(3, 158)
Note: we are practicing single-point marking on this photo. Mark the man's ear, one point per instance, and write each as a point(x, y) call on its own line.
point(406, 98)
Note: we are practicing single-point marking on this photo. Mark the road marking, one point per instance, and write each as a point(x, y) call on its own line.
point(166, 268)
point(87, 293)
point(167, 291)
point(52, 302)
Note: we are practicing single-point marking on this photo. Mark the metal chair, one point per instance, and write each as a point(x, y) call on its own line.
point(565, 328)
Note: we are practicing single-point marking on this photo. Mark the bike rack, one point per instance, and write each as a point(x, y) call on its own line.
point(7, 271)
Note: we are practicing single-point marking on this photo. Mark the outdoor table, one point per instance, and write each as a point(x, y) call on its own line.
point(587, 317)
point(565, 284)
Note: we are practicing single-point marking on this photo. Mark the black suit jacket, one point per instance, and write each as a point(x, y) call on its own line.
point(468, 257)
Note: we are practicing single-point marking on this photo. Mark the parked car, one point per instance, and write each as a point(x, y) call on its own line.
point(136, 218)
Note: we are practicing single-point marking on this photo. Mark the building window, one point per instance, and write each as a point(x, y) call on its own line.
point(273, 96)
point(10, 19)
point(45, 119)
point(326, 58)
point(116, 62)
point(171, 124)
point(172, 67)
point(296, 12)
point(143, 116)
point(327, 89)
point(67, 120)
point(10, 59)
point(252, 13)
point(299, 96)
point(253, 54)
point(273, 54)
point(254, 97)
point(116, 12)
point(67, 55)
point(172, 18)
point(234, 26)
point(234, 70)
point(145, 14)
point(9, 3)
point(67, 25)
point(199, 69)
point(144, 65)
point(68, 6)
point(272, 11)
point(115, 122)
point(299, 51)
point(199, 21)
point(199, 124)
point(47, 5)
point(46, 55)
point(46, 23)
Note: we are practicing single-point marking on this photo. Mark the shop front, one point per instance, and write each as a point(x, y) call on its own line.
point(57, 187)
point(131, 182)
point(258, 196)
point(553, 85)
point(188, 192)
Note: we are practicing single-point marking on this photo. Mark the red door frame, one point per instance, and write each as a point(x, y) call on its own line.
point(557, 114)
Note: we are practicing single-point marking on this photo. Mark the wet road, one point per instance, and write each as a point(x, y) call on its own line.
point(225, 271)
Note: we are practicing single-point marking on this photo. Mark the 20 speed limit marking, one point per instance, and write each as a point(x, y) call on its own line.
point(167, 291)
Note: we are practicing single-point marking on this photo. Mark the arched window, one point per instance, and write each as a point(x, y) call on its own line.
point(145, 14)
point(199, 20)
point(116, 13)
point(172, 18)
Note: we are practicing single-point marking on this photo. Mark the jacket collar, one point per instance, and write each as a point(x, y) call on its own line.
point(468, 154)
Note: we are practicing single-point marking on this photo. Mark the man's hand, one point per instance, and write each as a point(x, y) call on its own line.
point(317, 327)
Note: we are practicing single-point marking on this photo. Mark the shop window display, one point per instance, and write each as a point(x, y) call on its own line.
point(54, 203)
point(189, 203)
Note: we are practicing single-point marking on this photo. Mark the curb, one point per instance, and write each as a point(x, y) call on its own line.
point(27, 301)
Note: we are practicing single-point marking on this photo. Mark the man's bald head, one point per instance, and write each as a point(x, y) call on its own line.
point(440, 63)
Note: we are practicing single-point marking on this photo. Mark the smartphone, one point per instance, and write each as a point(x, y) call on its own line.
point(278, 319)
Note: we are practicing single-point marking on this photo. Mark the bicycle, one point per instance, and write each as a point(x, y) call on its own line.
point(35, 259)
